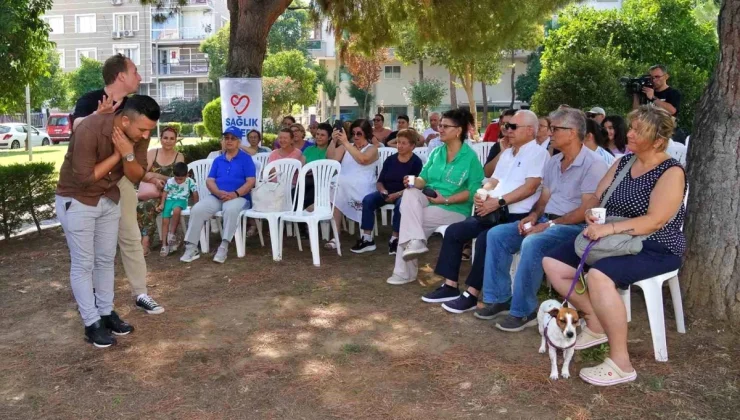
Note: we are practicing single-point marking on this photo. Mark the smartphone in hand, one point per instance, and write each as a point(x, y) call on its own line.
point(429, 192)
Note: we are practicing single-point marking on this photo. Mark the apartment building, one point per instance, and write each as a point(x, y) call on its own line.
point(166, 51)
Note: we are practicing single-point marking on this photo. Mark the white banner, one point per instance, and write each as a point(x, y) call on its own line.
point(241, 104)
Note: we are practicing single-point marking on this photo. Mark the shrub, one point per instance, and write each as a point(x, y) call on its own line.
point(199, 150)
point(200, 130)
point(187, 129)
point(183, 110)
point(268, 140)
point(212, 118)
point(26, 195)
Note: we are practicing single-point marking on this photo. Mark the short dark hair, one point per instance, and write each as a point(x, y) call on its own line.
point(382, 118)
point(462, 118)
point(403, 117)
point(325, 127)
point(114, 65)
point(508, 113)
point(662, 68)
point(290, 117)
point(180, 169)
point(141, 105)
point(254, 131)
point(365, 126)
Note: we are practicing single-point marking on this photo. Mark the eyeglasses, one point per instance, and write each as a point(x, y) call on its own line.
point(556, 128)
point(514, 127)
point(657, 77)
point(357, 133)
point(445, 126)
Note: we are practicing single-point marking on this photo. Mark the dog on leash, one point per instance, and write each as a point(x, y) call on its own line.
point(557, 325)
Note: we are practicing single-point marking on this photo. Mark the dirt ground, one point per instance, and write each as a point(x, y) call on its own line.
point(257, 339)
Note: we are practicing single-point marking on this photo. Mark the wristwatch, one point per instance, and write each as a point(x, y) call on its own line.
point(501, 201)
point(652, 99)
point(129, 157)
point(447, 201)
point(550, 223)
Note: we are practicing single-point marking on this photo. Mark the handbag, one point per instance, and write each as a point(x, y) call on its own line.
point(614, 245)
point(269, 196)
point(501, 215)
point(147, 191)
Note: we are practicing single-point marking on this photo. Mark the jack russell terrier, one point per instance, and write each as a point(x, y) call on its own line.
point(557, 325)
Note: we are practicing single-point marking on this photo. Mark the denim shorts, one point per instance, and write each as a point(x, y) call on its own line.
point(653, 260)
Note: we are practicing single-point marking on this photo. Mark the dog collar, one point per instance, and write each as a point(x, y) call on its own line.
point(547, 337)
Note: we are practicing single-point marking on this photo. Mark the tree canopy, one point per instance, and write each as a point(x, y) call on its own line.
point(294, 65)
point(88, 76)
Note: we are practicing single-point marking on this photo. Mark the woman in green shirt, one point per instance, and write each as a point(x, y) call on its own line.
point(321, 138)
point(453, 172)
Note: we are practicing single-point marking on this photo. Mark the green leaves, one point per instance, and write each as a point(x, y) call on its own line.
point(88, 76)
point(427, 93)
point(294, 65)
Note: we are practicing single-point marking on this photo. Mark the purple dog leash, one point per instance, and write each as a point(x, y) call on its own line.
point(579, 270)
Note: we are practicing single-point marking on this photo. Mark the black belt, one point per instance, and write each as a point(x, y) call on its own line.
point(551, 216)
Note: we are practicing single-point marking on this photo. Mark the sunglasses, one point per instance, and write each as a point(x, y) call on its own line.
point(358, 133)
point(513, 127)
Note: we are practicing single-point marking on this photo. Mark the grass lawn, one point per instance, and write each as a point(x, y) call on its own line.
point(55, 154)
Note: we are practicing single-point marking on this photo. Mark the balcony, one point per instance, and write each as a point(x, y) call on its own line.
point(317, 48)
point(173, 4)
point(180, 34)
point(196, 67)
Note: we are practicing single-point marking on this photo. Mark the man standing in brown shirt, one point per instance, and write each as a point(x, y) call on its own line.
point(103, 149)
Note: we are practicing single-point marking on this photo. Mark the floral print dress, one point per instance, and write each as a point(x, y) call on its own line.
point(146, 211)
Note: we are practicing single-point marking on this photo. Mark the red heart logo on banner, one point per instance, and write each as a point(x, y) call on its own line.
point(237, 100)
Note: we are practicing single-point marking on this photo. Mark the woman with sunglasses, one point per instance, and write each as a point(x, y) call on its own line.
point(357, 178)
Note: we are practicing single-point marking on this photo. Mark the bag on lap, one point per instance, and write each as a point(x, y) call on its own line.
point(269, 196)
point(147, 191)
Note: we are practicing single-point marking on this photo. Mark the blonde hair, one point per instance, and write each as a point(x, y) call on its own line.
point(655, 123)
point(298, 126)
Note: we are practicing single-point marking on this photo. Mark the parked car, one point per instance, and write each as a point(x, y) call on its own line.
point(59, 127)
point(13, 136)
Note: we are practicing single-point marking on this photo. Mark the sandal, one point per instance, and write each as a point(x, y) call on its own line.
point(467, 252)
point(607, 374)
point(165, 251)
point(331, 245)
point(587, 339)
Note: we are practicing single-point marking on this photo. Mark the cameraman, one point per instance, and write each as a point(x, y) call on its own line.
point(660, 94)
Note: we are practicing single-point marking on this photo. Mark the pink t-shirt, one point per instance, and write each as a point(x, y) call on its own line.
point(295, 154)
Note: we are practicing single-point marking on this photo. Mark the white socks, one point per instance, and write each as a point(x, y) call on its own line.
point(366, 237)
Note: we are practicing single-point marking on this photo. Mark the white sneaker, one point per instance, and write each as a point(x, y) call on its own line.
point(414, 249)
point(395, 279)
point(191, 253)
point(220, 256)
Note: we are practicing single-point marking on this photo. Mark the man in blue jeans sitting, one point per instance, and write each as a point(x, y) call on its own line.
point(570, 180)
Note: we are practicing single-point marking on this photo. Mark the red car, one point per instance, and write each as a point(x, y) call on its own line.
point(59, 128)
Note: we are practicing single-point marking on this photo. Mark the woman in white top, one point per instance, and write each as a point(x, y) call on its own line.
point(357, 178)
point(596, 140)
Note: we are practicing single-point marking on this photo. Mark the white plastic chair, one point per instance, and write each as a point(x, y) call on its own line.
point(677, 151)
point(261, 158)
point(482, 149)
point(652, 288)
point(423, 153)
point(285, 171)
point(324, 172)
point(200, 169)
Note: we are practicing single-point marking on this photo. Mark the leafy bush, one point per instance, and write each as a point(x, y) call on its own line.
point(26, 195)
point(425, 94)
point(176, 125)
point(268, 140)
point(183, 110)
point(187, 129)
point(212, 118)
point(200, 129)
point(200, 150)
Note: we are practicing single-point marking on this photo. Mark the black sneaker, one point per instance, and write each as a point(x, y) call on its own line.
point(443, 293)
point(514, 324)
point(363, 246)
point(98, 335)
point(115, 324)
point(148, 304)
point(492, 310)
point(392, 247)
point(466, 302)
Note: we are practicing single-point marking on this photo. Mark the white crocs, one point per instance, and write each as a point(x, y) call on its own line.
point(607, 374)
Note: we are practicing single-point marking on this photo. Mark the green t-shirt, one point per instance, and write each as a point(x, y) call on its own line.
point(314, 153)
point(464, 173)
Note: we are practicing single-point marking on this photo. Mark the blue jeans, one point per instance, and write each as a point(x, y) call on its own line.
point(374, 201)
point(503, 242)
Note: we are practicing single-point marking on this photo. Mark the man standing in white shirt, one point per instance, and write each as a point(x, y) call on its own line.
point(431, 134)
point(513, 191)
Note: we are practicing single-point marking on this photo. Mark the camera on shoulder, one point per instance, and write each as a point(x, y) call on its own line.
point(634, 86)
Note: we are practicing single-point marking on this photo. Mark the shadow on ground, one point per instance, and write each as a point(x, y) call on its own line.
point(256, 339)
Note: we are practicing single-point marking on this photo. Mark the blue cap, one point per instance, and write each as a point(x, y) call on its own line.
point(234, 131)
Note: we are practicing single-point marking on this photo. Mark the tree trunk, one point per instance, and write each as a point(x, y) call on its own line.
point(424, 110)
point(468, 80)
point(711, 272)
point(453, 92)
point(337, 80)
point(250, 23)
point(421, 69)
point(513, 74)
point(485, 104)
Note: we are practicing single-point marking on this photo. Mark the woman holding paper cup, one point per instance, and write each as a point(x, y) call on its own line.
point(645, 190)
point(441, 195)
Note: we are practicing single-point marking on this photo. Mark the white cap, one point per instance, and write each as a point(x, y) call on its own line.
point(597, 110)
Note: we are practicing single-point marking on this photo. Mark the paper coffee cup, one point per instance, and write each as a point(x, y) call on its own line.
point(527, 226)
point(600, 213)
point(482, 193)
point(411, 179)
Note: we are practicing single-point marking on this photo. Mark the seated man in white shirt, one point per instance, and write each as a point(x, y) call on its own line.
point(431, 134)
point(513, 191)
